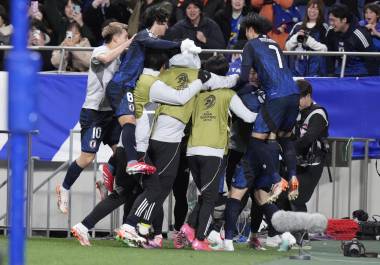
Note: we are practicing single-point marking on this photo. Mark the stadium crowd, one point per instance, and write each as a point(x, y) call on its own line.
point(211, 25)
point(166, 110)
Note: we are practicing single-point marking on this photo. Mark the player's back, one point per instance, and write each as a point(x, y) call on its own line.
point(265, 56)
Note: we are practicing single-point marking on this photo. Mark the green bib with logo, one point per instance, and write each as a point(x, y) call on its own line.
point(178, 78)
point(141, 93)
point(210, 119)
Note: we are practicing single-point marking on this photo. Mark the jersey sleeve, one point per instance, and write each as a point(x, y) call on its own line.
point(97, 51)
point(162, 93)
point(237, 107)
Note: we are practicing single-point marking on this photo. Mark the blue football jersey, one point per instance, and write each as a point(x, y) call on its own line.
point(264, 55)
point(132, 64)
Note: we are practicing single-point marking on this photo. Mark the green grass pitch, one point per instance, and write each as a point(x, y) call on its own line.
point(43, 251)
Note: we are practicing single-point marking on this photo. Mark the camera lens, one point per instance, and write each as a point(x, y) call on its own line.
point(354, 250)
point(300, 38)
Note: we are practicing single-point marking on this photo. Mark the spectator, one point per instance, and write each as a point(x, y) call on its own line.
point(5, 27)
point(235, 61)
point(210, 7)
point(96, 12)
point(280, 31)
point(309, 35)
point(74, 61)
point(345, 35)
point(60, 23)
point(371, 22)
point(5, 33)
point(202, 30)
point(36, 11)
point(229, 20)
point(38, 36)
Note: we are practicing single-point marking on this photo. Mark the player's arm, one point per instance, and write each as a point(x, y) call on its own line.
point(218, 81)
point(237, 106)
point(162, 93)
point(111, 55)
point(156, 43)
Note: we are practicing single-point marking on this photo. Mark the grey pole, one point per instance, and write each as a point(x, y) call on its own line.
point(29, 189)
point(349, 177)
point(94, 188)
point(333, 164)
point(8, 188)
point(344, 61)
point(48, 209)
point(364, 183)
point(71, 150)
point(61, 58)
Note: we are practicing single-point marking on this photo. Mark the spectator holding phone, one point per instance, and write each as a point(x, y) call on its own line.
point(5, 32)
point(5, 27)
point(75, 61)
point(38, 36)
point(60, 24)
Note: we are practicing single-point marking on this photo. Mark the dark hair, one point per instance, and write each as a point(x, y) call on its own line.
point(37, 24)
point(341, 11)
point(304, 87)
point(373, 7)
point(74, 25)
point(321, 8)
point(75, 2)
point(155, 59)
point(217, 64)
point(260, 24)
point(197, 3)
point(157, 14)
point(4, 15)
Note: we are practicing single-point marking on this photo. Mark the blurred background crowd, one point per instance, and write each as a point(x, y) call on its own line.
point(315, 25)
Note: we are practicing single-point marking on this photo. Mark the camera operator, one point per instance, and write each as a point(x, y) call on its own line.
point(311, 132)
point(309, 35)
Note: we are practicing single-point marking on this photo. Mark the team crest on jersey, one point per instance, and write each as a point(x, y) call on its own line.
point(182, 80)
point(92, 144)
point(209, 102)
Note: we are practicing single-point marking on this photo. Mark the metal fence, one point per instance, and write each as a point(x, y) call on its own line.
point(115, 216)
point(344, 55)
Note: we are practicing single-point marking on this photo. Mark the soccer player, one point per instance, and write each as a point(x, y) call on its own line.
point(205, 154)
point(149, 91)
point(165, 140)
point(97, 118)
point(120, 89)
point(278, 114)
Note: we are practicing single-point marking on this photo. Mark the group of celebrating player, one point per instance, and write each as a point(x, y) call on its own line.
point(162, 112)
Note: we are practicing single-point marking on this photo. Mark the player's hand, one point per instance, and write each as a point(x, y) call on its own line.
point(129, 41)
point(201, 37)
point(204, 75)
point(301, 33)
point(188, 46)
point(78, 18)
